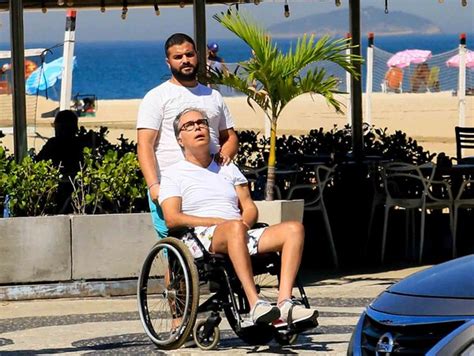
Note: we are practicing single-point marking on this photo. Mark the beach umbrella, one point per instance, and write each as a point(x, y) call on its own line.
point(45, 76)
point(404, 58)
point(454, 60)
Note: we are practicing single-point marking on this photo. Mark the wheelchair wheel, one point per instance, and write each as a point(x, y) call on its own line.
point(259, 334)
point(267, 286)
point(267, 279)
point(267, 275)
point(206, 342)
point(252, 335)
point(168, 293)
point(266, 270)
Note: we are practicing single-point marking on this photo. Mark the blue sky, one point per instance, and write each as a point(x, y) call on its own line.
point(143, 24)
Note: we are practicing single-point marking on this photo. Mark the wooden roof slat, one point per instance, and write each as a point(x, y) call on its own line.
point(109, 4)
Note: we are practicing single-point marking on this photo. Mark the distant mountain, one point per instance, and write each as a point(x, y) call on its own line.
point(372, 20)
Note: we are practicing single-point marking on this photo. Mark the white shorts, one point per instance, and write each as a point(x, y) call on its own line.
point(205, 233)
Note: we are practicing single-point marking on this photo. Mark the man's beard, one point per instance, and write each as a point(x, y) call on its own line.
point(183, 76)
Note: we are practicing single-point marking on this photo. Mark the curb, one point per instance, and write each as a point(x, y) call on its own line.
point(76, 289)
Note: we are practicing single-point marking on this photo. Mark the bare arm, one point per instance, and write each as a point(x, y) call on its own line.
point(229, 145)
point(174, 217)
point(247, 206)
point(146, 139)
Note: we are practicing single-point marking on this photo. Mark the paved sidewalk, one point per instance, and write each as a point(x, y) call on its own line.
point(112, 325)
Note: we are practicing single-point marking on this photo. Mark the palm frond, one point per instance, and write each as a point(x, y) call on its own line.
point(280, 75)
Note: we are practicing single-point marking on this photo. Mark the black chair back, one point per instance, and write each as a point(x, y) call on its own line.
point(464, 140)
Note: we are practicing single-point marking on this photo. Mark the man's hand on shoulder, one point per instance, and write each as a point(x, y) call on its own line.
point(222, 159)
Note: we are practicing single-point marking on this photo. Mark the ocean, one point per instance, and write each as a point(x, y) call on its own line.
point(127, 70)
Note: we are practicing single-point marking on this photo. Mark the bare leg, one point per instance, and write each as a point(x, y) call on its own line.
point(287, 237)
point(230, 238)
point(176, 322)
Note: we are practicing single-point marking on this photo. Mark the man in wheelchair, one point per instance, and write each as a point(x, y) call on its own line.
point(215, 201)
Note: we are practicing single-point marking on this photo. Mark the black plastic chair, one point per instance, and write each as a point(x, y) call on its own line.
point(464, 141)
point(464, 200)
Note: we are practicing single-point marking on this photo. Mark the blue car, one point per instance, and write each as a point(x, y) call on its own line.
point(428, 313)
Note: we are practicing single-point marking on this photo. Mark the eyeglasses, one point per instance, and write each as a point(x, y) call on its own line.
point(189, 126)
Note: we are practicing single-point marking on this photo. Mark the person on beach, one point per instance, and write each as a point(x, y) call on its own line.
point(213, 60)
point(157, 147)
point(215, 200)
point(420, 77)
point(65, 150)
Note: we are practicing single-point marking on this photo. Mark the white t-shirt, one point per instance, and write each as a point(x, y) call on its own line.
point(205, 192)
point(161, 105)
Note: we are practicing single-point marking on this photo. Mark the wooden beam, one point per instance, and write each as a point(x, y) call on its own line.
point(109, 4)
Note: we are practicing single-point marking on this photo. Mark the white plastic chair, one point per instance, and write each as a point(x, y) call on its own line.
point(408, 188)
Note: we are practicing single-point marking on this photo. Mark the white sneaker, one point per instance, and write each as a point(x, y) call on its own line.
point(264, 313)
point(292, 312)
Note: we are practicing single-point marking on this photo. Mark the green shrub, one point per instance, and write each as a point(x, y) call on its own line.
point(335, 144)
point(100, 145)
point(4, 161)
point(31, 186)
point(108, 185)
point(110, 180)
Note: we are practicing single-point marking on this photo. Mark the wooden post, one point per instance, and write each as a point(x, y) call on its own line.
point(18, 67)
point(356, 84)
point(199, 12)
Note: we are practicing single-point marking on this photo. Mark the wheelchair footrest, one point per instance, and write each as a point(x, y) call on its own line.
point(296, 328)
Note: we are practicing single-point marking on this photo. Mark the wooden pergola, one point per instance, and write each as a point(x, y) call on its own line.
point(17, 7)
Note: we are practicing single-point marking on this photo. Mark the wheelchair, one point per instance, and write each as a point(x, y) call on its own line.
point(169, 284)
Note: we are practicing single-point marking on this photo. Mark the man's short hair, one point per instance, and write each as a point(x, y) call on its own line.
point(67, 117)
point(180, 115)
point(178, 39)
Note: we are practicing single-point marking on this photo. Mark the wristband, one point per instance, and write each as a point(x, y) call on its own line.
point(153, 184)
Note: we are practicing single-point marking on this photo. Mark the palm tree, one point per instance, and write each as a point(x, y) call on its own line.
point(271, 78)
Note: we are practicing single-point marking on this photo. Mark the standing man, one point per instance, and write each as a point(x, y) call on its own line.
point(157, 147)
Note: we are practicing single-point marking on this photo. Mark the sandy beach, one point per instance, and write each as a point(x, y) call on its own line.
point(429, 118)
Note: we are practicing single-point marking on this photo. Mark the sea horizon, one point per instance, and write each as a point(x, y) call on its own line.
point(129, 69)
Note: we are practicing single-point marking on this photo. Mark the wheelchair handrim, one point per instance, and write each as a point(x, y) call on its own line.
point(146, 321)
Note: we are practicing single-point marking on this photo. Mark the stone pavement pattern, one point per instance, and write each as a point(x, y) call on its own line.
point(112, 326)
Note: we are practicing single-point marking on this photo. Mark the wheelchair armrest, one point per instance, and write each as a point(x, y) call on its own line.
point(179, 231)
point(258, 225)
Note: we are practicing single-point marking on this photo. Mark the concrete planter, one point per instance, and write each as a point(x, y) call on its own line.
point(110, 246)
point(86, 249)
point(276, 211)
point(35, 249)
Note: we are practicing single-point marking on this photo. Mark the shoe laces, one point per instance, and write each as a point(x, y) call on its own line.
point(289, 310)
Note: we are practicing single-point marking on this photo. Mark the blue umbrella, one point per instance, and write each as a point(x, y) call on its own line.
point(46, 75)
